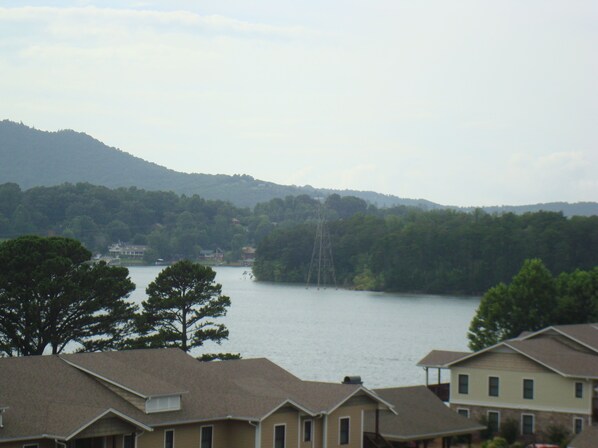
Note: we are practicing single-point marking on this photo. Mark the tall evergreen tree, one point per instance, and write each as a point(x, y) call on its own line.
point(182, 302)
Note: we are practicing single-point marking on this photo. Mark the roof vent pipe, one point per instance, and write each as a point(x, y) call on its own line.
point(352, 380)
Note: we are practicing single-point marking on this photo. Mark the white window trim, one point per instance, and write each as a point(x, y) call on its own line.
point(575, 419)
point(463, 409)
point(523, 388)
point(311, 435)
point(173, 437)
point(200, 431)
point(339, 430)
point(488, 417)
point(284, 442)
point(533, 423)
point(488, 386)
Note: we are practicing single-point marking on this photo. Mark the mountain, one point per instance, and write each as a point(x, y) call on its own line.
point(30, 158)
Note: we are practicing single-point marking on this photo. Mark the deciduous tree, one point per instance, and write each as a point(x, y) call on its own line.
point(528, 303)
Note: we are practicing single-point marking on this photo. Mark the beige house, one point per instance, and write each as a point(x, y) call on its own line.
point(164, 398)
point(548, 377)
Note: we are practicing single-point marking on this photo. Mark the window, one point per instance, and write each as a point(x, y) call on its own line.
point(578, 390)
point(463, 412)
point(528, 389)
point(279, 436)
point(206, 434)
point(578, 425)
point(169, 438)
point(343, 437)
point(527, 424)
point(493, 386)
point(463, 384)
point(493, 421)
point(129, 441)
point(307, 425)
point(161, 404)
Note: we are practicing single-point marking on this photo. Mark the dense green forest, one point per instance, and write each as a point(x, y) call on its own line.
point(436, 251)
point(392, 249)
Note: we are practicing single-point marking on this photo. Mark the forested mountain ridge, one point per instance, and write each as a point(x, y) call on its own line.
point(31, 158)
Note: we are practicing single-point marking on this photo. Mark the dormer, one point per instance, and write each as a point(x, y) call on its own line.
point(146, 392)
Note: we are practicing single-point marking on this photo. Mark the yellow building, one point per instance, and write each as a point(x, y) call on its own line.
point(540, 379)
point(164, 398)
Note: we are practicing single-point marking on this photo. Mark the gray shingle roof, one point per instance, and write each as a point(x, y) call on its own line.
point(440, 358)
point(555, 354)
point(570, 350)
point(588, 438)
point(120, 369)
point(52, 395)
point(586, 334)
point(420, 415)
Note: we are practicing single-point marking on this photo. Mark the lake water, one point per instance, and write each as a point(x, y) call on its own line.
point(327, 334)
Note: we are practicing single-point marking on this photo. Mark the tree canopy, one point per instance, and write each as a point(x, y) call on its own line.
point(434, 252)
point(50, 297)
point(534, 300)
point(182, 303)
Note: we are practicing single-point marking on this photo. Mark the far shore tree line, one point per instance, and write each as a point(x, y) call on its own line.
point(388, 249)
point(53, 299)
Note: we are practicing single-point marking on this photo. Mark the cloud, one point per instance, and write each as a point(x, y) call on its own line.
point(185, 21)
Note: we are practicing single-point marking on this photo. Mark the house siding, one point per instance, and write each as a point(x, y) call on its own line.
point(226, 434)
point(286, 416)
point(551, 391)
point(542, 419)
point(352, 409)
point(503, 361)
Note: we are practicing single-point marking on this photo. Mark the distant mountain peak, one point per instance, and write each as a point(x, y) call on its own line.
point(31, 157)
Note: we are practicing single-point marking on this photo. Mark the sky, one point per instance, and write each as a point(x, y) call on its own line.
point(465, 103)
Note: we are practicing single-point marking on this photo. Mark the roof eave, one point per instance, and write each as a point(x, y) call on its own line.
point(433, 434)
point(368, 392)
point(103, 414)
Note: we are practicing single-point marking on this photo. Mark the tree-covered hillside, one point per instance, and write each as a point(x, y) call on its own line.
point(31, 158)
point(436, 251)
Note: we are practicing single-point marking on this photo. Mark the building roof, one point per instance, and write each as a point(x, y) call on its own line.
point(124, 369)
point(440, 358)
point(558, 356)
point(569, 350)
point(57, 396)
point(585, 439)
point(419, 415)
point(585, 334)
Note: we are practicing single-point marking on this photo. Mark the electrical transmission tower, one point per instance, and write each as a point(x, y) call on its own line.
point(321, 257)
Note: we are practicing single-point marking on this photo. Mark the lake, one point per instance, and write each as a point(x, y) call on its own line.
point(327, 334)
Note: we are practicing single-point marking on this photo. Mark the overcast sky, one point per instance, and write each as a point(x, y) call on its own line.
point(458, 102)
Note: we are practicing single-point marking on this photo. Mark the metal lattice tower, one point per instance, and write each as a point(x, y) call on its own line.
point(321, 257)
